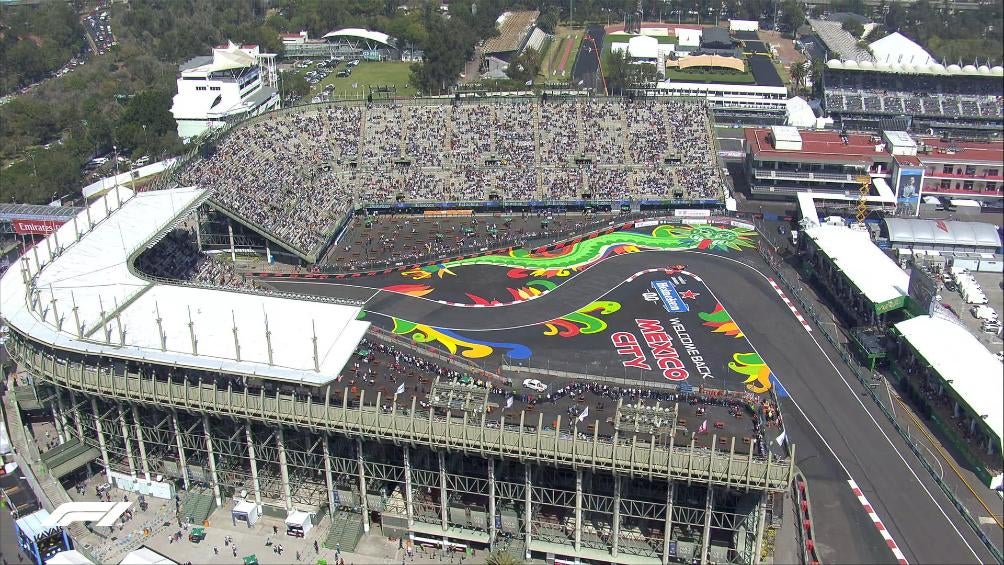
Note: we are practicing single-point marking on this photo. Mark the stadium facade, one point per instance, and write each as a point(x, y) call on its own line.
point(237, 392)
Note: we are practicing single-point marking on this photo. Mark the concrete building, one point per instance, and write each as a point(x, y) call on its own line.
point(233, 83)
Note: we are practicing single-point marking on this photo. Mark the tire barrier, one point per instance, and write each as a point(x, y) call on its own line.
point(803, 510)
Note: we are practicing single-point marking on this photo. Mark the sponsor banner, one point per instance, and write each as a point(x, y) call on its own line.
point(36, 227)
point(692, 213)
point(646, 224)
point(693, 221)
point(448, 213)
point(746, 225)
point(671, 300)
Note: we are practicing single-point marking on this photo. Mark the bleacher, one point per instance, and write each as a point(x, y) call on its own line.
point(197, 505)
point(345, 531)
point(292, 173)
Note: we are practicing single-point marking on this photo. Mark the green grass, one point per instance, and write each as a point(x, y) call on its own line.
point(383, 73)
point(551, 58)
point(728, 77)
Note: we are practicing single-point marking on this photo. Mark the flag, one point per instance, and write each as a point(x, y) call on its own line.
point(400, 389)
point(703, 428)
point(508, 402)
point(781, 438)
point(584, 414)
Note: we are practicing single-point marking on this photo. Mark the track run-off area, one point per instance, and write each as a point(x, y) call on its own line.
point(844, 446)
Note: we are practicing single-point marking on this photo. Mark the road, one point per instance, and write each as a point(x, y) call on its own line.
point(845, 437)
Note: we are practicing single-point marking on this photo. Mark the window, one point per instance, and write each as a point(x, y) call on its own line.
point(200, 88)
point(946, 184)
point(990, 187)
point(214, 88)
point(993, 172)
point(968, 185)
point(970, 170)
point(947, 169)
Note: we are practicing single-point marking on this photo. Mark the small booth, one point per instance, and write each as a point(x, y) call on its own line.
point(197, 535)
point(298, 523)
point(245, 511)
point(38, 539)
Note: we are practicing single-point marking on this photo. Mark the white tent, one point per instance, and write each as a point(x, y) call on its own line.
point(298, 523)
point(897, 48)
point(71, 557)
point(145, 556)
point(245, 511)
point(800, 115)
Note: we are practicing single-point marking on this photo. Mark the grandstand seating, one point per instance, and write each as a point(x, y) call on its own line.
point(918, 95)
point(294, 172)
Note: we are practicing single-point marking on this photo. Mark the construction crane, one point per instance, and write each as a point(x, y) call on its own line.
point(864, 185)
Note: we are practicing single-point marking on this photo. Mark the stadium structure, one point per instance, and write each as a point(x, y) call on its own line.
point(934, 99)
point(239, 393)
point(349, 43)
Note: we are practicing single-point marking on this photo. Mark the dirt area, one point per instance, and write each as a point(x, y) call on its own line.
point(785, 47)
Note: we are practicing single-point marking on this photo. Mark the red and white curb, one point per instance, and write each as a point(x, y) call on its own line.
point(878, 523)
point(791, 306)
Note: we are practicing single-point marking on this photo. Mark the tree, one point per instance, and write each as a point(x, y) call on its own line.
point(502, 558)
point(293, 85)
point(525, 66)
point(798, 72)
point(792, 15)
point(854, 28)
point(548, 20)
point(622, 74)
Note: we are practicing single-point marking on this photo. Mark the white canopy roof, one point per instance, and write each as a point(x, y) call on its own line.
point(145, 556)
point(643, 47)
point(963, 362)
point(297, 518)
point(71, 557)
point(898, 48)
point(224, 59)
point(873, 272)
point(360, 33)
point(800, 114)
point(92, 279)
point(942, 232)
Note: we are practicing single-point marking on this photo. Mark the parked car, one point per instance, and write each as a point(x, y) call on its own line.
point(534, 384)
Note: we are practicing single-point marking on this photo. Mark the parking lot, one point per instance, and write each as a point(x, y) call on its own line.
point(991, 285)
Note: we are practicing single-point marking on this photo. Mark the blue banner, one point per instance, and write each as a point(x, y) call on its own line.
point(671, 300)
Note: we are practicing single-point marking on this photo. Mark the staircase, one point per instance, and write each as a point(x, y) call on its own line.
point(346, 529)
point(197, 506)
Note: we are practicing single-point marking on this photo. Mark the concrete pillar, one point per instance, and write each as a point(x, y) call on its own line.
point(578, 510)
point(64, 419)
point(182, 462)
point(78, 418)
point(128, 444)
point(492, 529)
point(144, 462)
point(280, 442)
point(444, 505)
point(363, 503)
point(57, 423)
point(668, 528)
point(761, 517)
point(706, 538)
point(409, 503)
point(254, 466)
point(213, 477)
point(616, 528)
point(527, 508)
point(101, 439)
point(329, 482)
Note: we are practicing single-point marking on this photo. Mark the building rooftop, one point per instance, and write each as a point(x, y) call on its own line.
point(873, 272)
point(965, 364)
point(88, 298)
point(817, 146)
point(932, 149)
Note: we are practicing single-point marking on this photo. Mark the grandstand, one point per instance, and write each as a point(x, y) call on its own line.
point(932, 99)
point(293, 175)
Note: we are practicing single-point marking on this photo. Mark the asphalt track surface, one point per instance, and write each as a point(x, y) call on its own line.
point(837, 434)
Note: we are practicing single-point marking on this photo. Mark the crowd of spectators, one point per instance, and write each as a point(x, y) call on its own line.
point(177, 257)
point(295, 172)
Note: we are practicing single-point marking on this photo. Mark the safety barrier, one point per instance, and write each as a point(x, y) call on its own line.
point(803, 510)
point(797, 291)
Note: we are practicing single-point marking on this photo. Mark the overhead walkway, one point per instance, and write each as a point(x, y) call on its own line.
point(68, 457)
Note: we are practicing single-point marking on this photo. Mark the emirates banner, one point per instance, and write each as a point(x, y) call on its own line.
point(36, 227)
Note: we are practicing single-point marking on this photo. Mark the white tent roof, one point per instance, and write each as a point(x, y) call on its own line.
point(643, 47)
point(874, 273)
point(963, 362)
point(71, 557)
point(800, 115)
point(297, 518)
point(942, 232)
point(94, 274)
point(245, 506)
point(145, 556)
point(34, 524)
point(897, 48)
point(360, 33)
point(230, 57)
